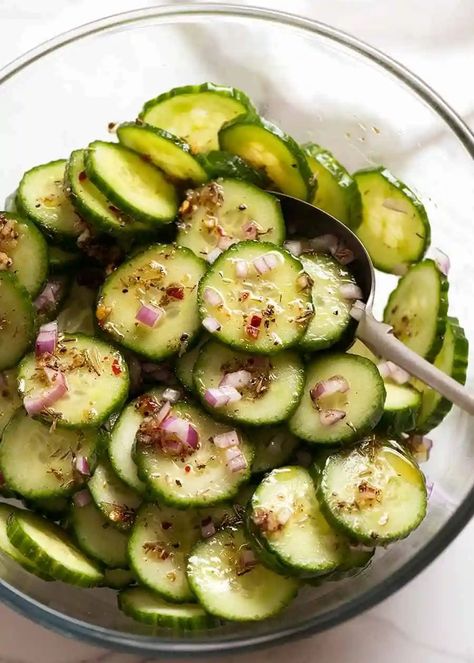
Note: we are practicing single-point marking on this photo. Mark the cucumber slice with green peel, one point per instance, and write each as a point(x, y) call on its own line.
point(337, 192)
point(162, 279)
point(196, 112)
point(134, 185)
point(395, 229)
point(97, 538)
point(402, 404)
point(267, 148)
point(23, 252)
point(285, 518)
point(262, 313)
point(17, 319)
point(171, 154)
point(373, 493)
point(229, 587)
point(7, 548)
point(274, 446)
point(144, 606)
point(62, 260)
point(38, 462)
point(452, 360)
point(9, 399)
point(78, 312)
point(272, 389)
point(117, 502)
point(202, 478)
point(331, 322)
point(52, 298)
point(227, 211)
point(349, 413)
point(118, 578)
point(219, 163)
point(418, 309)
point(54, 508)
point(159, 546)
point(94, 206)
point(185, 364)
point(96, 377)
point(355, 561)
point(42, 197)
point(51, 550)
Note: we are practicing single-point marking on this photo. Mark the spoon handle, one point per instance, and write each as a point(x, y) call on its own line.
point(375, 335)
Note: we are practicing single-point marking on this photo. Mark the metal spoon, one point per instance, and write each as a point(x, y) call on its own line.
point(310, 221)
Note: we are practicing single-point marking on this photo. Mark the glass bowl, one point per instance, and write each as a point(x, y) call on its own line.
point(318, 84)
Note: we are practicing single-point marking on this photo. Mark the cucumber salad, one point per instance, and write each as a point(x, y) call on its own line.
point(184, 415)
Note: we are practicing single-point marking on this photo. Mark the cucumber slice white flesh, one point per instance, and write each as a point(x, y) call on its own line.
point(331, 321)
point(336, 191)
point(78, 312)
point(163, 277)
point(9, 399)
point(163, 149)
point(38, 462)
point(280, 298)
point(373, 493)
point(118, 578)
point(418, 308)
point(117, 502)
point(23, 251)
point(185, 364)
point(395, 229)
point(97, 538)
point(227, 211)
point(362, 403)
point(274, 446)
point(134, 185)
point(96, 375)
point(144, 606)
point(227, 589)
point(196, 112)
point(42, 197)
point(265, 147)
point(51, 550)
point(6, 547)
point(62, 260)
point(199, 479)
point(17, 319)
point(160, 544)
point(402, 404)
point(452, 360)
point(286, 519)
point(275, 387)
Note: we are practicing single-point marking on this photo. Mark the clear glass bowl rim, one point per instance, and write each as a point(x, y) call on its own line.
point(173, 647)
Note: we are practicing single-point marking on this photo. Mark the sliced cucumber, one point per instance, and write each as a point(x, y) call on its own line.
point(160, 544)
point(38, 462)
point(262, 313)
point(117, 502)
point(229, 588)
point(54, 508)
point(199, 479)
point(50, 549)
point(219, 163)
point(164, 278)
point(274, 446)
point(196, 112)
point(395, 229)
point(402, 404)
point(118, 578)
point(185, 364)
point(144, 606)
point(134, 185)
point(164, 150)
point(62, 260)
point(355, 561)
point(97, 538)
point(373, 492)
point(337, 192)
point(286, 520)
point(96, 208)
point(224, 212)
point(6, 547)
point(9, 399)
point(42, 197)
point(360, 406)
point(78, 312)
point(23, 251)
point(331, 322)
point(52, 298)
point(17, 321)
point(96, 376)
point(452, 360)
point(273, 391)
point(418, 309)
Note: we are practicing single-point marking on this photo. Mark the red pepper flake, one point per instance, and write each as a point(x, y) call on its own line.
point(116, 368)
point(255, 320)
point(175, 291)
point(82, 176)
point(187, 468)
point(253, 332)
point(166, 525)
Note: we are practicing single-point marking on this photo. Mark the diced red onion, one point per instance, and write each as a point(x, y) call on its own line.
point(237, 379)
point(241, 268)
point(213, 255)
point(272, 259)
point(326, 242)
point(247, 559)
point(357, 310)
point(384, 369)
point(335, 384)
point(219, 396)
point(260, 265)
point(331, 417)
point(224, 242)
point(294, 246)
point(48, 296)
point(226, 440)
point(35, 404)
point(397, 374)
point(82, 498)
point(442, 261)
point(171, 395)
point(82, 466)
point(395, 205)
point(207, 528)
point(47, 339)
point(421, 447)
point(231, 453)
point(237, 464)
point(149, 315)
point(162, 413)
point(211, 324)
point(192, 437)
point(343, 255)
point(212, 297)
point(283, 515)
point(182, 429)
point(250, 230)
point(351, 291)
point(232, 394)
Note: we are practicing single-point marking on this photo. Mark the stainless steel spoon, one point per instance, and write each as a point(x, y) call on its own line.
point(310, 221)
